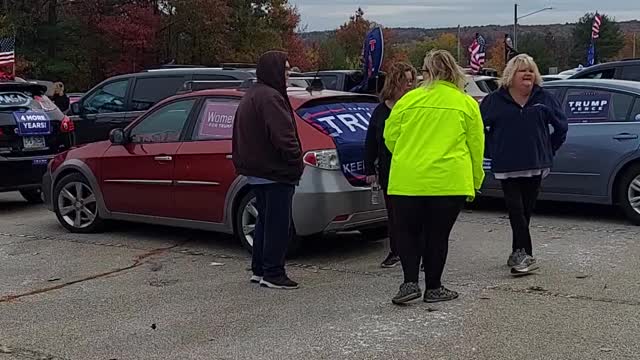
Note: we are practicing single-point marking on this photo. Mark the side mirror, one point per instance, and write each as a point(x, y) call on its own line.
point(76, 108)
point(117, 137)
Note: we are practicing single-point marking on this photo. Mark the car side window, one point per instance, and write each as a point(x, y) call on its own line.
point(148, 91)
point(593, 106)
point(604, 74)
point(164, 125)
point(110, 98)
point(555, 92)
point(631, 73)
point(635, 112)
point(215, 121)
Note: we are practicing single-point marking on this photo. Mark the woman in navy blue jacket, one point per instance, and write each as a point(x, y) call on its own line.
point(521, 147)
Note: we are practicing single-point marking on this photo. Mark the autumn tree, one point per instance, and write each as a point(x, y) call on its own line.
point(627, 51)
point(608, 45)
point(496, 57)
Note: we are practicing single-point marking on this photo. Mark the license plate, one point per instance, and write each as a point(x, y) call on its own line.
point(33, 142)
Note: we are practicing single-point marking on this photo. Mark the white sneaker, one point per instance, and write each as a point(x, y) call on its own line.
point(255, 279)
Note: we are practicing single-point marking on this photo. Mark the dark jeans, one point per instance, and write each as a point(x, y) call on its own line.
point(393, 246)
point(273, 226)
point(520, 195)
point(422, 225)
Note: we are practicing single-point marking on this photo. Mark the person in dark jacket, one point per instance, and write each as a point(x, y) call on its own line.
point(399, 80)
point(521, 147)
point(266, 149)
point(59, 97)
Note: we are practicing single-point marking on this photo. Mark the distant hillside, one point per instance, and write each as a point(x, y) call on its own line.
point(490, 32)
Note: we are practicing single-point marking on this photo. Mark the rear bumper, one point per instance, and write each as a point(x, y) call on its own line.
point(326, 202)
point(22, 173)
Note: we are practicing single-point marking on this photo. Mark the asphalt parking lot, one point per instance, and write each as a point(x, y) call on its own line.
point(148, 292)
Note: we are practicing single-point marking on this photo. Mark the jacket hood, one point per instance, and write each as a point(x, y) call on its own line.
point(270, 70)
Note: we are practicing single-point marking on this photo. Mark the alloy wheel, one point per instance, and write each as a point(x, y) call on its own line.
point(633, 194)
point(249, 220)
point(77, 205)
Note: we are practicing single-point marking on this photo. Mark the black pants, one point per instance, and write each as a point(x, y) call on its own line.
point(422, 226)
point(520, 195)
point(393, 246)
point(273, 226)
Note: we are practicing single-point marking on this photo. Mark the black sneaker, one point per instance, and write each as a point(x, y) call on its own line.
point(440, 294)
point(408, 292)
point(255, 279)
point(391, 261)
point(281, 282)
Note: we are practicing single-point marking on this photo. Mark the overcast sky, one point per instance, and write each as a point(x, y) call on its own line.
point(329, 14)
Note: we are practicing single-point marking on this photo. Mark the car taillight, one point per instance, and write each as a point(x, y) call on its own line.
point(322, 159)
point(67, 125)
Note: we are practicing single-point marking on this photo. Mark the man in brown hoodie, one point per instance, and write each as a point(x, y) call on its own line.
point(266, 149)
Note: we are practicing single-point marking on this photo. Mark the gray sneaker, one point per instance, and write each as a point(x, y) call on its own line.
point(440, 294)
point(514, 258)
point(408, 292)
point(525, 265)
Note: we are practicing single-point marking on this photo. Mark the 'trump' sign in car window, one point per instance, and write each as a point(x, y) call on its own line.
point(216, 120)
point(588, 106)
point(347, 124)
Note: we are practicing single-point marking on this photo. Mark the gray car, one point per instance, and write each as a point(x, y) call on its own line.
point(600, 161)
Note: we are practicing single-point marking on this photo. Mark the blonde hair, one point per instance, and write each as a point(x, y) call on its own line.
point(440, 65)
point(519, 62)
point(396, 79)
point(58, 88)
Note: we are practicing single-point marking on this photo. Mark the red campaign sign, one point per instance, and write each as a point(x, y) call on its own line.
point(217, 121)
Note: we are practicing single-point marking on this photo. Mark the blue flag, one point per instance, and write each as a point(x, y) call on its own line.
point(591, 55)
point(372, 55)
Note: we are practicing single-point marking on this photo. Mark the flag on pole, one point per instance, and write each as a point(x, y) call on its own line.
point(371, 58)
point(595, 28)
point(591, 55)
point(477, 52)
point(7, 58)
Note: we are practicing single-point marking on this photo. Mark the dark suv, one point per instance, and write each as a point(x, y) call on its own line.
point(32, 131)
point(619, 70)
point(117, 101)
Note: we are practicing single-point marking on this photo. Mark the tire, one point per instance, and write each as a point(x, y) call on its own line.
point(245, 219)
point(33, 196)
point(629, 193)
point(376, 233)
point(76, 214)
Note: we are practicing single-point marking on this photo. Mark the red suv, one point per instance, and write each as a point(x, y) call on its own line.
point(172, 166)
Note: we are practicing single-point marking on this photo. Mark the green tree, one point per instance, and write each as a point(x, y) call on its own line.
point(608, 45)
point(538, 46)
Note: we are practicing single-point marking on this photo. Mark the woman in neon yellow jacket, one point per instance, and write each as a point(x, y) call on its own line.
point(436, 136)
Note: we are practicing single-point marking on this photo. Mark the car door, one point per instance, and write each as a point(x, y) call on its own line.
point(600, 136)
point(99, 110)
point(631, 73)
point(137, 178)
point(204, 170)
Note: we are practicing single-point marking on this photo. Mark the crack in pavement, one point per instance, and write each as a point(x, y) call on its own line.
point(138, 261)
point(27, 354)
point(538, 291)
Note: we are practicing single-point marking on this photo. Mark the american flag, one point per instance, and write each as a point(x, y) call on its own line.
point(7, 51)
point(477, 51)
point(595, 28)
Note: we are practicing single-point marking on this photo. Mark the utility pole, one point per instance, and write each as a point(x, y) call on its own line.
point(460, 60)
point(515, 26)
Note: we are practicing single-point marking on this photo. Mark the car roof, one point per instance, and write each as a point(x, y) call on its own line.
point(239, 74)
point(483, 77)
point(332, 72)
point(632, 86)
point(297, 95)
point(607, 65)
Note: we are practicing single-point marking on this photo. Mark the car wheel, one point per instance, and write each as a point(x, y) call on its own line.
point(76, 206)
point(246, 218)
point(629, 194)
point(376, 233)
point(33, 196)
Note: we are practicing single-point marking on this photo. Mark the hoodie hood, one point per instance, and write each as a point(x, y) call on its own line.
point(270, 70)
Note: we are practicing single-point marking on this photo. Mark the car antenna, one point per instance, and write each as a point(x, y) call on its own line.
point(316, 84)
